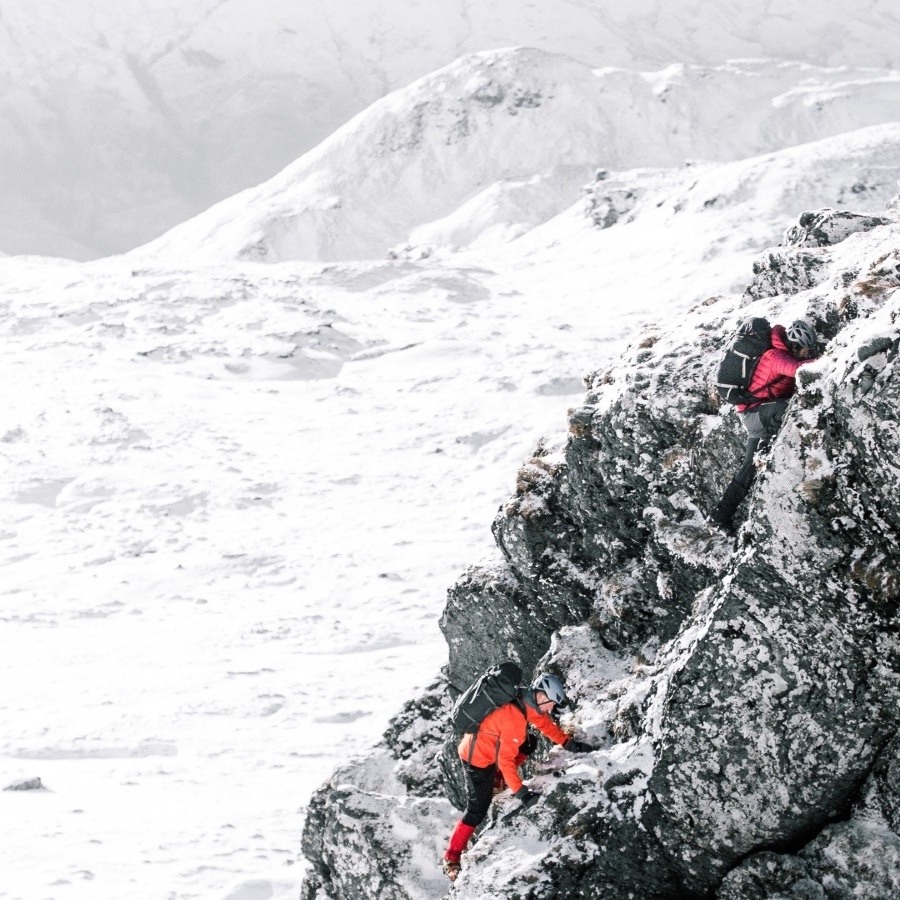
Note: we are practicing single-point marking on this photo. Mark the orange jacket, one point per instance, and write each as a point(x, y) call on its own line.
point(500, 735)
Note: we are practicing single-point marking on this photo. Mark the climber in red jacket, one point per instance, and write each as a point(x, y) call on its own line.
point(774, 381)
point(493, 754)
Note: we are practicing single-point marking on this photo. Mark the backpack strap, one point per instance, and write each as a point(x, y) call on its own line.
point(472, 745)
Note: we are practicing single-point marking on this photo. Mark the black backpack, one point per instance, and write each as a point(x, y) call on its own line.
point(740, 359)
point(496, 687)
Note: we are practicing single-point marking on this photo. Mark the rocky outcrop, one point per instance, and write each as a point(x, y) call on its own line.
point(744, 694)
point(608, 200)
point(826, 227)
point(26, 784)
point(370, 831)
point(858, 857)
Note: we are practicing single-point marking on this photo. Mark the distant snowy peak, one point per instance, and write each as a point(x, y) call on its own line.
point(152, 110)
point(499, 142)
point(411, 158)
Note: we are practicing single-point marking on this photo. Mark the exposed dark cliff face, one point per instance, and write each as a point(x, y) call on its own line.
point(744, 694)
point(859, 857)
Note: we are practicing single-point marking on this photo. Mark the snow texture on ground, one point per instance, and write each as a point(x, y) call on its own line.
point(236, 492)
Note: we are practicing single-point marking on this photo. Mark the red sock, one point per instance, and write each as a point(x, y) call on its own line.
point(458, 841)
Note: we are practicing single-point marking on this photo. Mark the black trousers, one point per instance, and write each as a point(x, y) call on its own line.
point(761, 425)
point(479, 793)
point(480, 786)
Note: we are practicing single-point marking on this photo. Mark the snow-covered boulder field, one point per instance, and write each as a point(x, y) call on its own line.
point(743, 693)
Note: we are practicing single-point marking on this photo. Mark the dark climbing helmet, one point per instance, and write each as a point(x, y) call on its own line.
point(552, 687)
point(802, 335)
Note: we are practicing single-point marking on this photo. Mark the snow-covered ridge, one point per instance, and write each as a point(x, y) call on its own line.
point(157, 109)
point(499, 142)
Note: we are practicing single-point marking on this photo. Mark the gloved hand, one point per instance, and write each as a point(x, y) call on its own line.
point(574, 746)
point(526, 796)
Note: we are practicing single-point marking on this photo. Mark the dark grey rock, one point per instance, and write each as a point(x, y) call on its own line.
point(522, 634)
point(825, 227)
point(350, 840)
point(857, 858)
point(26, 784)
point(786, 270)
point(875, 346)
point(770, 876)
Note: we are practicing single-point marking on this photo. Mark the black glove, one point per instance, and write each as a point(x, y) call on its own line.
point(526, 796)
point(574, 746)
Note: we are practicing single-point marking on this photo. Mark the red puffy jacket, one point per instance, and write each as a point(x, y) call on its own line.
point(500, 735)
point(775, 375)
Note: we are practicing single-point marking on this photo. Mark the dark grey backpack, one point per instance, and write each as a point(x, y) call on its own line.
point(496, 687)
point(740, 359)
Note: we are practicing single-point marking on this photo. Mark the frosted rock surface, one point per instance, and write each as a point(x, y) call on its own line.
point(744, 695)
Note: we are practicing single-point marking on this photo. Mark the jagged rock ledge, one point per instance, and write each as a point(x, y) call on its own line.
point(744, 695)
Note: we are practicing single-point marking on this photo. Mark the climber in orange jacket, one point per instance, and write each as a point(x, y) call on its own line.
point(494, 753)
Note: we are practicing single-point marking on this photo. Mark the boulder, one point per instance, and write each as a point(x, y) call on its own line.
point(26, 784)
point(825, 227)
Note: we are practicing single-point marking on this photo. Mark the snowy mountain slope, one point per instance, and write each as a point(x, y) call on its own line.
point(155, 110)
point(237, 493)
point(706, 214)
point(431, 164)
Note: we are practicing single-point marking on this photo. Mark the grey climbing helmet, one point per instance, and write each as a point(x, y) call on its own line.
point(553, 688)
point(802, 334)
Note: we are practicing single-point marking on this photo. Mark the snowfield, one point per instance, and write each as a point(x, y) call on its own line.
point(236, 496)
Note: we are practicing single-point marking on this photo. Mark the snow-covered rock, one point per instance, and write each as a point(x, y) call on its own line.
point(26, 784)
point(828, 226)
point(744, 696)
point(859, 857)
